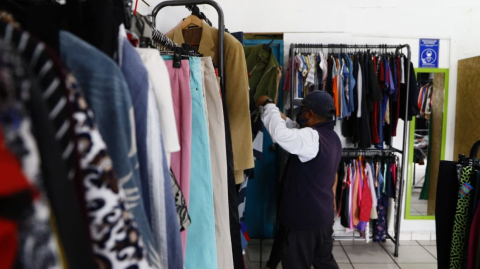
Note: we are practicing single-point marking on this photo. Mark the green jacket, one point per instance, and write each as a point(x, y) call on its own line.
point(262, 71)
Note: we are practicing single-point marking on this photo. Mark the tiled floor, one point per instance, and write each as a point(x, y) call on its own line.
point(360, 255)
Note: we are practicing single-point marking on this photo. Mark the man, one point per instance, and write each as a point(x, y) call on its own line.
point(306, 208)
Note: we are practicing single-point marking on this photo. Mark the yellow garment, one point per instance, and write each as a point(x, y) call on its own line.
point(237, 93)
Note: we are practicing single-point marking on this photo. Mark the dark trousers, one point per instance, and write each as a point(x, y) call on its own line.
point(278, 248)
point(309, 248)
point(446, 204)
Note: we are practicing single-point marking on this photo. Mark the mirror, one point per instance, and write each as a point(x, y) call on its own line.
point(427, 142)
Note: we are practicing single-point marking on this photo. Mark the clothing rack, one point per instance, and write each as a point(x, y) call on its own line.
point(221, 29)
point(341, 47)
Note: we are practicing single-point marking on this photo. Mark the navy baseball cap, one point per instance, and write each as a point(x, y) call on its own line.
point(320, 102)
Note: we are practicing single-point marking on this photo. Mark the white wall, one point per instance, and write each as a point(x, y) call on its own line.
point(456, 23)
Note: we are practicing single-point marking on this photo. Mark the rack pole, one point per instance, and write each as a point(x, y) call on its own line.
point(221, 28)
point(404, 158)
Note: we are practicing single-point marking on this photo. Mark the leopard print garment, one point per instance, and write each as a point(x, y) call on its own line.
point(459, 238)
point(115, 238)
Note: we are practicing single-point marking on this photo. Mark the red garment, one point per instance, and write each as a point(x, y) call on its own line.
point(374, 123)
point(367, 201)
point(393, 169)
point(12, 179)
point(474, 241)
point(355, 204)
point(8, 243)
point(381, 77)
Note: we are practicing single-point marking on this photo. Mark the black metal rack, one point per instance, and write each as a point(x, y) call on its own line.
point(396, 238)
point(221, 28)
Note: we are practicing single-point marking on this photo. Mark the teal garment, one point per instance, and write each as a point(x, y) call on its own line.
point(201, 249)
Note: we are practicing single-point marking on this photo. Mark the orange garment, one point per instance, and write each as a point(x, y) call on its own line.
point(355, 204)
point(335, 89)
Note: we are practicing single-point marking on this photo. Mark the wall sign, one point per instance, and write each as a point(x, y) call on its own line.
point(429, 53)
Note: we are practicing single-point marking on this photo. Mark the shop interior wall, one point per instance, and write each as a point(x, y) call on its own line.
point(456, 23)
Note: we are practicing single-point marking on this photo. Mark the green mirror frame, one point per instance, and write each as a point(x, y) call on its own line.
point(411, 141)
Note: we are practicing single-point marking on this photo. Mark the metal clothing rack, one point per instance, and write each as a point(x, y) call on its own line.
point(310, 47)
point(221, 29)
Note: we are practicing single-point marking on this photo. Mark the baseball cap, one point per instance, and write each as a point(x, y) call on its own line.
point(320, 102)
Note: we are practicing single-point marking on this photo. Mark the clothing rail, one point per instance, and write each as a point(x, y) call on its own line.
point(403, 151)
point(371, 151)
point(221, 29)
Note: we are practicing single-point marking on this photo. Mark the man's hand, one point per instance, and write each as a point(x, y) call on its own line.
point(262, 100)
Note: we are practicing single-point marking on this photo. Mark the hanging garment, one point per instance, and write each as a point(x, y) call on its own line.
point(182, 99)
point(237, 97)
point(58, 181)
point(355, 191)
point(107, 98)
point(364, 136)
point(371, 185)
point(218, 157)
point(380, 229)
point(460, 229)
point(330, 75)
point(136, 76)
point(412, 93)
point(366, 202)
point(102, 189)
point(336, 93)
point(201, 208)
point(182, 211)
point(159, 78)
point(14, 187)
point(474, 241)
point(166, 221)
point(25, 215)
point(262, 67)
point(351, 86)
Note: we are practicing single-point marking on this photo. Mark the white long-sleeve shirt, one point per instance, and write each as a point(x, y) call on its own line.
point(302, 142)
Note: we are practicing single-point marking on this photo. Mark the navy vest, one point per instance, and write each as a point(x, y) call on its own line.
point(307, 195)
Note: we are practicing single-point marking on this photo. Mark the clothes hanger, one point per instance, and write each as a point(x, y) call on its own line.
point(192, 20)
point(267, 46)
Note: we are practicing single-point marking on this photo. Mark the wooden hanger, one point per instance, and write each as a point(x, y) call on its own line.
point(191, 20)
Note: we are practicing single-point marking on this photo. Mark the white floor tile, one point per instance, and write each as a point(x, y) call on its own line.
point(375, 266)
point(367, 254)
point(432, 250)
point(412, 254)
point(427, 242)
point(340, 255)
point(356, 243)
point(402, 243)
point(418, 266)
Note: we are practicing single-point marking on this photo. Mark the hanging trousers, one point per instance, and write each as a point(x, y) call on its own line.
point(201, 251)
point(182, 100)
point(305, 249)
point(278, 247)
point(445, 206)
point(461, 224)
point(218, 155)
point(235, 232)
